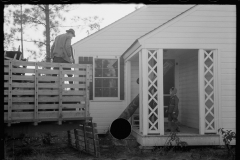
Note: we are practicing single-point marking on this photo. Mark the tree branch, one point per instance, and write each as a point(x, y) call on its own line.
point(35, 20)
point(31, 41)
point(68, 26)
point(43, 9)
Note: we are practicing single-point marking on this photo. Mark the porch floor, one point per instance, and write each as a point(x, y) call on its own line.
point(186, 134)
point(183, 129)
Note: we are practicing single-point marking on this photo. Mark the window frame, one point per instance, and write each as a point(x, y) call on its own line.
point(106, 98)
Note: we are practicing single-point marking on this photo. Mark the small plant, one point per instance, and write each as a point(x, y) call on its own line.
point(47, 138)
point(228, 136)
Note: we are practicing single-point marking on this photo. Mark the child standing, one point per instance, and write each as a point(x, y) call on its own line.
point(173, 111)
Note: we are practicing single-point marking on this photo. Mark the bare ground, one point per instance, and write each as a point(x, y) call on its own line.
point(59, 150)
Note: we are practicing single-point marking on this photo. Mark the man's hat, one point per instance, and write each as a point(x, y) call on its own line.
point(71, 31)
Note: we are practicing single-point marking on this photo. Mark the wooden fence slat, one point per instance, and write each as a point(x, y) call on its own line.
point(23, 70)
point(36, 96)
point(23, 63)
point(85, 138)
point(48, 71)
point(23, 85)
point(94, 145)
point(47, 99)
point(76, 139)
point(48, 78)
point(26, 106)
point(48, 85)
point(76, 72)
point(10, 94)
point(26, 78)
point(80, 79)
point(69, 137)
point(74, 85)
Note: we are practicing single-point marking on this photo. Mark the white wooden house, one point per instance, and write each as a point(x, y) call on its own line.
point(200, 42)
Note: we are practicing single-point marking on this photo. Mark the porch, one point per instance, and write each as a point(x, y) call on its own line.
point(187, 134)
point(193, 73)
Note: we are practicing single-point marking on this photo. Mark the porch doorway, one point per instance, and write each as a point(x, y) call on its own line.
point(181, 71)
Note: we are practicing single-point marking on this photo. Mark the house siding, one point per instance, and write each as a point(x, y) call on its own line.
point(104, 113)
point(188, 90)
point(208, 27)
point(116, 38)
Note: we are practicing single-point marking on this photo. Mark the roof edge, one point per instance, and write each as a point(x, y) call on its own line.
point(168, 23)
point(109, 26)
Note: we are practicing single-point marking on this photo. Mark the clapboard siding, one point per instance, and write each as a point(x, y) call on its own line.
point(195, 35)
point(117, 37)
point(188, 90)
point(104, 113)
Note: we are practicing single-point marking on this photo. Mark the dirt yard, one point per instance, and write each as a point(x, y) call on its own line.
point(58, 149)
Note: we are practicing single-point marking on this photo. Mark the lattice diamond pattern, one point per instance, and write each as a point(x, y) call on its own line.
point(152, 91)
point(209, 90)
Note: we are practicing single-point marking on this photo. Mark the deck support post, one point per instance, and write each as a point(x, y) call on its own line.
point(36, 96)
point(60, 88)
point(87, 91)
point(10, 93)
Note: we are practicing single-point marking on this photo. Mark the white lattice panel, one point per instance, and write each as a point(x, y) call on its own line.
point(152, 92)
point(209, 90)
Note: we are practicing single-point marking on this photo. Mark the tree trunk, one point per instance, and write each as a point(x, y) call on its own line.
point(47, 33)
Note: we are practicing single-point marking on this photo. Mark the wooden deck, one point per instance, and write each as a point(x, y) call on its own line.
point(187, 134)
point(38, 92)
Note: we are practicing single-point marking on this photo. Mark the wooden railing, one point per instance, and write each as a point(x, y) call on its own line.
point(36, 91)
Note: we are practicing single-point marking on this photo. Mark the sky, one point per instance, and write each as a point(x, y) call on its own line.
point(109, 12)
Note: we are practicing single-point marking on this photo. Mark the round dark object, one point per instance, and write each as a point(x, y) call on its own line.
point(120, 128)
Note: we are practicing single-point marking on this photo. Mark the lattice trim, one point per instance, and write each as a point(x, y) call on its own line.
point(152, 92)
point(209, 90)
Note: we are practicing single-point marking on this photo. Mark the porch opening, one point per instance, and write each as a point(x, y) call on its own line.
point(181, 72)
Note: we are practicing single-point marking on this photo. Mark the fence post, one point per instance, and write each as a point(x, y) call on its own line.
point(76, 139)
point(36, 95)
point(87, 91)
point(10, 93)
point(69, 137)
point(60, 89)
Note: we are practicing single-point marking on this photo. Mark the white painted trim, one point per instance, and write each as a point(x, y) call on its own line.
point(160, 91)
point(219, 94)
point(215, 72)
point(187, 46)
point(167, 24)
point(145, 90)
point(201, 91)
point(133, 54)
point(140, 94)
point(128, 82)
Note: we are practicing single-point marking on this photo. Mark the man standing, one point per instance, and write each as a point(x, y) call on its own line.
point(61, 50)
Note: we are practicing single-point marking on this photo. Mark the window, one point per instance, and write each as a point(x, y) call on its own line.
point(106, 78)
